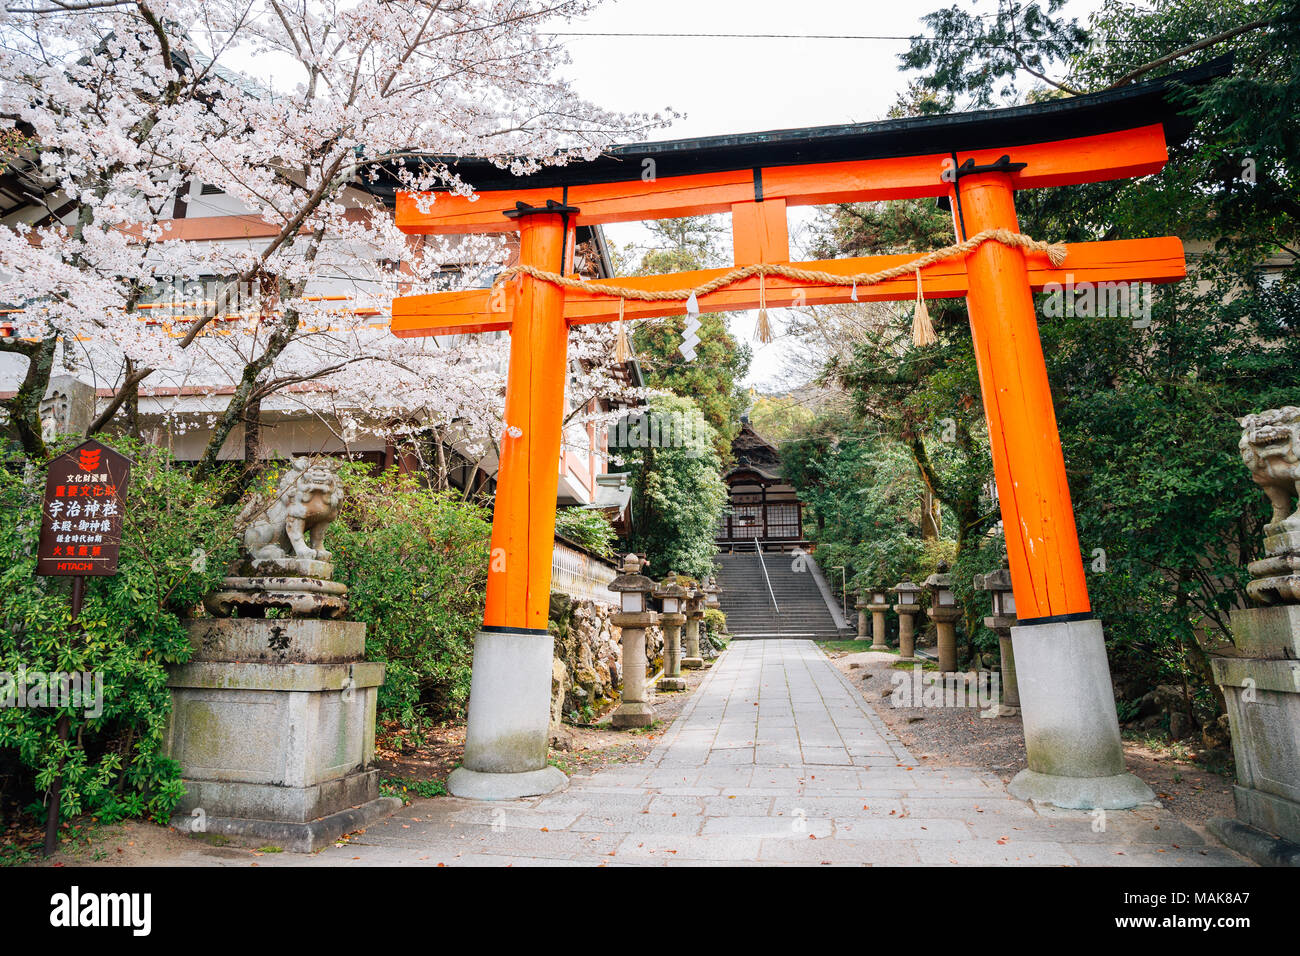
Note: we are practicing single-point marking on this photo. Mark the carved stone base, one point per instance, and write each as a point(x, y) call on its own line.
point(306, 837)
point(1263, 701)
point(299, 597)
point(1282, 539)
point(288, 568)
point(1262, 847)
point(273, 724)
point(632, 714)
point(277, 641)
point(1275, 590)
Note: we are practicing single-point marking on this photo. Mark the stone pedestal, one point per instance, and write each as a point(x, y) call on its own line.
point(1009, 705)
point(68, 407)
point(945, 620)
point(672, 676)
point(861, 606)
point(878, 641)
point(273, 724)
point(635, 710)
point(692, 659)
point(1262, 690)
point(1076, 760)
point(907, 630)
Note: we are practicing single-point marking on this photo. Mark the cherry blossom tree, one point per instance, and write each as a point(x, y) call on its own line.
point(119, 106)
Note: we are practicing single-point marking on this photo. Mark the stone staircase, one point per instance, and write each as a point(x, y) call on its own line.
point(746, 601)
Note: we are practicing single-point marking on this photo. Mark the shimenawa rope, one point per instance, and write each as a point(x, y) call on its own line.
point(1055, 252)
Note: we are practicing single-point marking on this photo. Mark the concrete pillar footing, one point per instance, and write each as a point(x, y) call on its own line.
point(473, 785)
point(1121, 791)
point(507, 736)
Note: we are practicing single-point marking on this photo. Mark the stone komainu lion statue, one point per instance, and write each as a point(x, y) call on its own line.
point(293, 524)
point(1270, 447)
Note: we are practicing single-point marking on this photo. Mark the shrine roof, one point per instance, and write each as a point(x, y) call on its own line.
point(754, 453)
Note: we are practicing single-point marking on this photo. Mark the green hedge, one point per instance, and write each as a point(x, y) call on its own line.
point(177, 539)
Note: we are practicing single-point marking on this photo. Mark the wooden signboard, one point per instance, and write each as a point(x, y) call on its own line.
point(81, 519)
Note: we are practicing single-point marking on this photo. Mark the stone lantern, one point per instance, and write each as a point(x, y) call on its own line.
point(879, 605)
point(907, 608)
point(695, 600)
point(672, 599)
point(1000, 622)
point(944, 611)
point(861, 605)
point(633, 617)
point(711, 592)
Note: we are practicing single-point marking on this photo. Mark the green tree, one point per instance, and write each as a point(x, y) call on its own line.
point(778, 417)
point(677, 491)
point(587, 527)
point(415, 563)
point(1146, 405)
point(864, 500)
point(712, 379)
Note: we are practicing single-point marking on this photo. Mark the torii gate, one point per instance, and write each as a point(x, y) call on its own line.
point(976, 162)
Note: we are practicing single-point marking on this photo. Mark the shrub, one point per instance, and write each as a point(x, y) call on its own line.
point(714, 632)
point(588, 528)
point(715, 622)
point(177, 540)
point(415, 563)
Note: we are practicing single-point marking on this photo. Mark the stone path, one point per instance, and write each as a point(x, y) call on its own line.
point(776, 760)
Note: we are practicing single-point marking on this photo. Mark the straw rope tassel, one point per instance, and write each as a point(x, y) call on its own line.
point(621, 351)
point(762, 331)
point(922, 327)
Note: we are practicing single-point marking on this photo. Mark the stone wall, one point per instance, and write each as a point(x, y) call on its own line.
point(587, 671)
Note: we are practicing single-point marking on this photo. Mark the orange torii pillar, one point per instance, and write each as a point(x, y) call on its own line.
point(1072, 736)
point(510, 688)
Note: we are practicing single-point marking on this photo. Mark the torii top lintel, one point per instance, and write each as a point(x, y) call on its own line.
point(1112, 135)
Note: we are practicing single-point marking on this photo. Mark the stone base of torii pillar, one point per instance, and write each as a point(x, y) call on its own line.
point(1076, 760)
point(509, 718)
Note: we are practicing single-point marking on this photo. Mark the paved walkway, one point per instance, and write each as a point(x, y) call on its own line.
point(777, 759)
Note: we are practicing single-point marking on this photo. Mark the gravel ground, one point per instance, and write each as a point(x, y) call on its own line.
point(959, 737)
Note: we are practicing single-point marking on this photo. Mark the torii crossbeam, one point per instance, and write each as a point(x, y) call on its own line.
point(976, 162)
